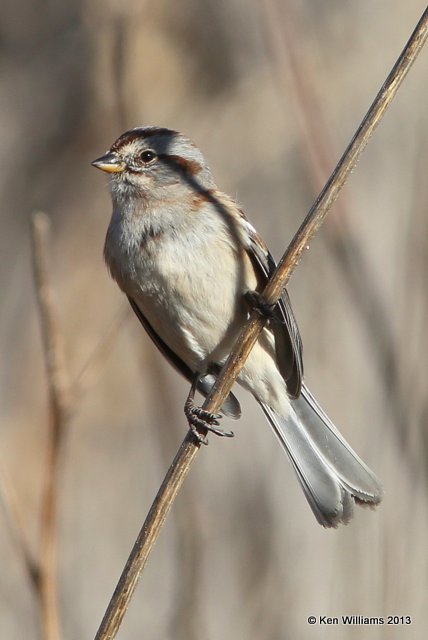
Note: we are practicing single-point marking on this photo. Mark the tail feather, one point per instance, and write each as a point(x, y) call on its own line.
point(331, 474)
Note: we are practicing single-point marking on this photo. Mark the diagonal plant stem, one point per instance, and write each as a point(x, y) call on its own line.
point(250, 333)
point(299, 85)
point(97, 357)
point(14, 520)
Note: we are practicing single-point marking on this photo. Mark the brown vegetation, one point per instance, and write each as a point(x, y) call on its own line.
point(241, 555)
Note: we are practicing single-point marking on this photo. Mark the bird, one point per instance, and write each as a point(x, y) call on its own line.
point(193, 267)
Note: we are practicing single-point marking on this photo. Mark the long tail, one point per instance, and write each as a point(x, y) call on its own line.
point(331, 474)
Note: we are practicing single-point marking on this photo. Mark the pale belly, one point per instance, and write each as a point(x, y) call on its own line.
point(193, 299)
point(192, 294)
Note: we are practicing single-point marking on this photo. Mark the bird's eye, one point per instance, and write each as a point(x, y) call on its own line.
point(147, 156)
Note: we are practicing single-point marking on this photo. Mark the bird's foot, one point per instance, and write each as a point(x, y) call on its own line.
point(257, 302)
point(201, 420)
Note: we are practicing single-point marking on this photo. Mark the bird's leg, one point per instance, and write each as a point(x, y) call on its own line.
point(257, 302)
point(200, 419)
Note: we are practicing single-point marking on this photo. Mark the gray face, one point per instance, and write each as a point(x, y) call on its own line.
point(153, 159)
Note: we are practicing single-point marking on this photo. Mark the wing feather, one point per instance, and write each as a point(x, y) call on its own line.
point(288, 342)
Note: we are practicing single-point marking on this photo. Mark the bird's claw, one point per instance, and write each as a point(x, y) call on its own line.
point(258, 303)
point(201, 420)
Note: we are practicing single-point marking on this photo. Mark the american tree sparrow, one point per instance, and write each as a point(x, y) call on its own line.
point(188, 260)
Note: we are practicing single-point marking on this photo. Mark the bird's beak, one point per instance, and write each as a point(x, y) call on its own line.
point(109, 163)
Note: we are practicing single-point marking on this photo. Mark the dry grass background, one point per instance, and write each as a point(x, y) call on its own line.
point(241, 555)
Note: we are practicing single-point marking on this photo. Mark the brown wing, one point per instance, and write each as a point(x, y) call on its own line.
point(231, 405)
point(288, 343)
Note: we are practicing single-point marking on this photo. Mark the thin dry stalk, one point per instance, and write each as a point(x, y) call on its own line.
point(53, 352)
point(96, 359)
point(249, 334)
point(300, 85)
point(14, 521)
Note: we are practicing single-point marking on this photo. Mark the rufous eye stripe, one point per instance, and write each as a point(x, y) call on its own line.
point(192, 167)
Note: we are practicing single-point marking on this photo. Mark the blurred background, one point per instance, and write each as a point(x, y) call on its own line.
point(272, 92)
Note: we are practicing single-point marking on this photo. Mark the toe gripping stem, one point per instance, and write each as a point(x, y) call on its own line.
point(257, 302)
point(200, 420)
